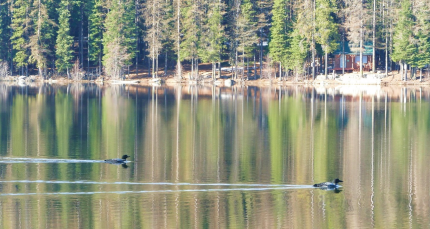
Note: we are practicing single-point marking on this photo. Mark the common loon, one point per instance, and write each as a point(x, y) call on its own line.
point(118, 161)
point(329, 185)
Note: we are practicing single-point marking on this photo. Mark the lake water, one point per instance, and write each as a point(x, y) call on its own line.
point(206, 157)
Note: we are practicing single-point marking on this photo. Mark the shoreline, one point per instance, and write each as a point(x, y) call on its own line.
point(347, 79)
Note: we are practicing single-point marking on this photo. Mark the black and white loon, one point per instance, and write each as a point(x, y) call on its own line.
point(118, 161)
point(329, 185)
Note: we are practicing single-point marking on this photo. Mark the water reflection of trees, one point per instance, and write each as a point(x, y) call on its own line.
point(376, 143)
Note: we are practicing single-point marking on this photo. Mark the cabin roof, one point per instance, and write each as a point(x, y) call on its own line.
point(354, 49)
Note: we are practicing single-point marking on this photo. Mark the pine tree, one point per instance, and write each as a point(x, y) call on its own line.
point(64, 52)
point(247, 30)
point(4, 29)
point(157, 24)
point(119, 38)
point(326, 27)
point(403, 49)
point(213, 35)
point(421, 57)
point(42, 33)
point(20, 39)
point(297, 51)
point(278, 32)
point(191, 28)
point(177, 34)
point(96, 20)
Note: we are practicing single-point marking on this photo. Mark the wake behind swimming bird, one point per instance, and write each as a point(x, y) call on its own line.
point(15, 160)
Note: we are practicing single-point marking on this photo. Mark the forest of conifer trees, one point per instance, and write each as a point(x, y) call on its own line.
point(47, 37)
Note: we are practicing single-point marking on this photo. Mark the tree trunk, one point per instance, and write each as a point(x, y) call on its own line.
point(325, 64)
point(178, 41)
point(81, 35)
point(280, 71)
point(401, 69)
point(255, 69)
point(192, 68)
point(261, 55)
point(197, 69)
point(374, 38)
point(386, 55)
point(247, 68)
point(219, 68)
point(165, 64)
point(361, 57)
point(421, 74)
point(235, 65)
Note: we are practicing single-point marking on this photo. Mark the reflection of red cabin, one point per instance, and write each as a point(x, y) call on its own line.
point(348, 57)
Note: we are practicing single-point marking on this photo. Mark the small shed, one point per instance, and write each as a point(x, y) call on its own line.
point(348, 57)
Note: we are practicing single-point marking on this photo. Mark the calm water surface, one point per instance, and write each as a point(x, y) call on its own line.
point(206, 157)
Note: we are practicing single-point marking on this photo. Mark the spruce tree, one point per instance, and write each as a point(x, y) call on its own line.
point(423, 38)
point(42, 33)
point(157, 24)
point(20, 27)
point(119, 38)
point(4, 30)
point(403, 49)
point(64, 52)
point(191, 28)
point(96, 33)
point(326, 27)
point(213, 35)
point(247, 28)
point(278, 32)
point(297, 51)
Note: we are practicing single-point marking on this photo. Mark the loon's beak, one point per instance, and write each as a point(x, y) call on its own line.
point(340, 180)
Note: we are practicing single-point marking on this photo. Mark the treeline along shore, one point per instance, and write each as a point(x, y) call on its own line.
point(194, 39)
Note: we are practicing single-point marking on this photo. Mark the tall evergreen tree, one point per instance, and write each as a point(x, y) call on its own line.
point(278, 32)
point(297, 51)
point(247, 30)
point(96, 22)
point(404, 49)
point(42, 33)
point(191, 28)
point(20, 37)
point(326, 28)
point(157, 24)
point(213, 35)
point(119, 38)
point(64, 52)
point(4, 30)
point(421, 57)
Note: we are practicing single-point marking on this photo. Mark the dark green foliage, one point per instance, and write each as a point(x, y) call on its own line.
point(278, 32)
point(42, 33)
point(20, 36)
point(403, 48)
point(64, 52)
point(96, 22)
point(36, 33)
point(4, 30)
point(119, 38)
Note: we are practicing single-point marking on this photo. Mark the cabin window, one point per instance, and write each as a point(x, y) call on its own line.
point(357, 59)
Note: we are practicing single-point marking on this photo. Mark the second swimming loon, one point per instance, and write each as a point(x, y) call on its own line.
point(118, 160)
point(329, 185)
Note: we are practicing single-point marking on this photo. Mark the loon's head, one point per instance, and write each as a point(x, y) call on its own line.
point(335, 181)
point(125, 156)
